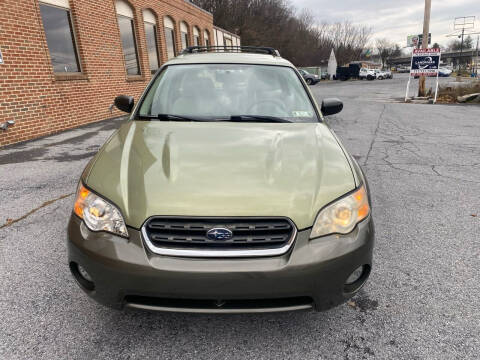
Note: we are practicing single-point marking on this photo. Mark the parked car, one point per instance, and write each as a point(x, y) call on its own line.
point(381, 75)
point(367, 74)
point(310, 79)
point(388, 74)
point(444, 72)
point(235, 198)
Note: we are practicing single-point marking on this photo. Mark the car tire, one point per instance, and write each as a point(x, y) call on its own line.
point(380, 78)
point(309, 81)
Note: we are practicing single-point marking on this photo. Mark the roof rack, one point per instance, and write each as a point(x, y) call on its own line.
point(234, 49)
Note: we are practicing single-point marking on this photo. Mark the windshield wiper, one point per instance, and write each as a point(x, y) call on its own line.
point(169, 117)
point(233, 118)
point(258, 118)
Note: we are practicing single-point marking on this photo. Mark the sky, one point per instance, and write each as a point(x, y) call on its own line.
point(395, 19)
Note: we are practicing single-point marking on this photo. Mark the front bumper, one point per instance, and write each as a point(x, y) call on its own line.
point(125, 273)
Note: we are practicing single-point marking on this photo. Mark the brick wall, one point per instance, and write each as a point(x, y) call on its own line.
point(43, 103)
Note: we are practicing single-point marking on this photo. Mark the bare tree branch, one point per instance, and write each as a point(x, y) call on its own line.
point(297, 34)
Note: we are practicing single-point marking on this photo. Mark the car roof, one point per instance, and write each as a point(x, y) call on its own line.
point(229, 58)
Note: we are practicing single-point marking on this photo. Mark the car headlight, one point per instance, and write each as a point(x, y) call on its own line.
point(341, 216)
point(97, 213)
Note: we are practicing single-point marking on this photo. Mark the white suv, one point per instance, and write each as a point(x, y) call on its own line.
point(368, 74)
point(379, 74)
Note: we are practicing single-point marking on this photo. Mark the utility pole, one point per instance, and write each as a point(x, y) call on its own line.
point(426, 30)
point(476, 61)
point(461, 50)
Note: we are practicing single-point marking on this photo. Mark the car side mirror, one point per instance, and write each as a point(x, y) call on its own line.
point(331, 106)
point(124, 103)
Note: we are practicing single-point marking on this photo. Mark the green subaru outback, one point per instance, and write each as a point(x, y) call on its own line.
point(224, 192)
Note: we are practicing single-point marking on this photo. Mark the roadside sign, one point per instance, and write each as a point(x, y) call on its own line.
point(412, 41)
point(415, 40)
point(1, 57)
point(425, 62)
point(420, 38)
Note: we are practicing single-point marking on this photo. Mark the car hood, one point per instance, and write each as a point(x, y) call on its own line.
point(220, 169)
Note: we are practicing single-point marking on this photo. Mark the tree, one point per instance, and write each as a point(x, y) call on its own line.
point(397, 51)
point(296, 34)
point(468, 43)
point(456, 45)
point(348, 40)
point(436, 46)
point(386, 49)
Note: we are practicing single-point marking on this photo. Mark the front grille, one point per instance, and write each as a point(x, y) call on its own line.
point(245, 234)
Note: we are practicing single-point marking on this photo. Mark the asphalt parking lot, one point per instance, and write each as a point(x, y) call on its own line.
point(423, 164)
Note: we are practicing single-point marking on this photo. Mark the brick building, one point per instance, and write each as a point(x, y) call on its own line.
point(65, 60)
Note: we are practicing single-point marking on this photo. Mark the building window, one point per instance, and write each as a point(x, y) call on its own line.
point(184, 34)
point(170, 37)
point(151, 37)
point(127, 34)
point(206, 38)
point(57, 23)
point(196, 36)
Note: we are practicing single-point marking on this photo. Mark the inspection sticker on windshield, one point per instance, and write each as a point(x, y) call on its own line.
point(301, 114)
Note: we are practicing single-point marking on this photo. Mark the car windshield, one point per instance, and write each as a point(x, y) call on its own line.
point(223, 92)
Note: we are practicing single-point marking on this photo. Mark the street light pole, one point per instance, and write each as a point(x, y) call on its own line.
point(461, 51)
point(476, 62)
point(426, 30)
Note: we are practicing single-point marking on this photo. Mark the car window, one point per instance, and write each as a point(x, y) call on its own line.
point(219, 91)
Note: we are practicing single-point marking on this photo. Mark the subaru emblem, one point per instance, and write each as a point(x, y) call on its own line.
point(219, 234)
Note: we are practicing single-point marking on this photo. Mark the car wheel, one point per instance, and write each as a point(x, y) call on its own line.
point(309, 81)
point(380, 78)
